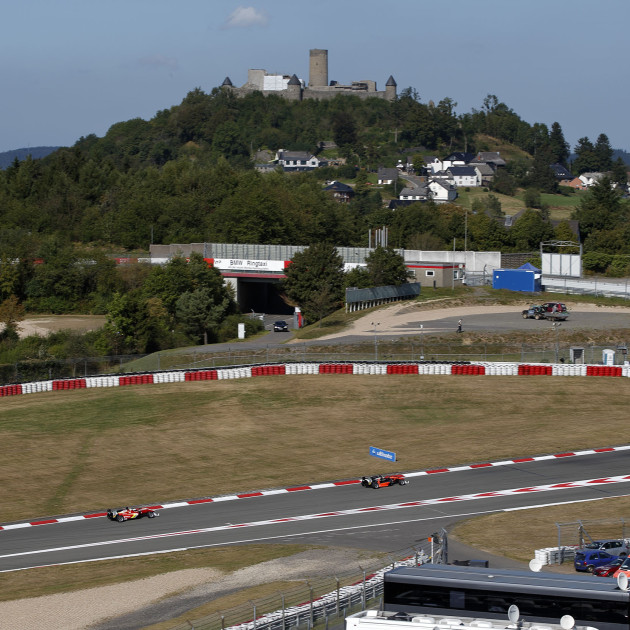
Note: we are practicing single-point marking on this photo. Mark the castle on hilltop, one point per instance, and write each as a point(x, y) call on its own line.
point(290, 87)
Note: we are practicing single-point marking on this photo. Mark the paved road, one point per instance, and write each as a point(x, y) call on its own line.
point(482, 322)
point(328, 516)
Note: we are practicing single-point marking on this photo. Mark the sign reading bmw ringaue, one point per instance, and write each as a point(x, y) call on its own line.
point(382, 454)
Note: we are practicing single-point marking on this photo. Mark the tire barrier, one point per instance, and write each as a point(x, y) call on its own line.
point(301, 368)
point(603, 370)
point(403, 369)
point(139, 379)
point(535, 370)
point(10, 390)
point(277, 369)
point(269, 370)
point(336, 368)
point(201, 375)
point(468, 369)
point(102, 381)
point(71, 383)
point(168, 377)
point(501, 369)
point(36, 387)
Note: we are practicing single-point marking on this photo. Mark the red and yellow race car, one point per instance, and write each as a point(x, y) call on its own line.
point(382, 481)
point(128, 513)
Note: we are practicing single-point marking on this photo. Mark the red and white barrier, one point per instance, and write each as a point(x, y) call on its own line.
point(410, 368)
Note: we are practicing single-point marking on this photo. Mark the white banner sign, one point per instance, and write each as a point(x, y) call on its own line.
point(250, 265)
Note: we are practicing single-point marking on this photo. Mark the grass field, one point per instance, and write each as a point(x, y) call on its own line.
point(70, 445)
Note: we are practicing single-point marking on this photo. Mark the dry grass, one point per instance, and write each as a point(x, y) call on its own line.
point(61, 579)
point(268, 432)
point(537, 527)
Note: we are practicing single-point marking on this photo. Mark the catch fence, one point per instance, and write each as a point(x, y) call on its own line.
point(373, 351)
point(318, 601)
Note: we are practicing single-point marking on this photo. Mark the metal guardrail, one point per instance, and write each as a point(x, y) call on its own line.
point(316, 602)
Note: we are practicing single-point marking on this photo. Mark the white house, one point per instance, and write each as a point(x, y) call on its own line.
point(589, 179)
point(419, 193)
point(298, 161)
point(441, 191)
point(464, 176)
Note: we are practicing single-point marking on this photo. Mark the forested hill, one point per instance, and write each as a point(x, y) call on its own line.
point(36, 153)
point(187, 175)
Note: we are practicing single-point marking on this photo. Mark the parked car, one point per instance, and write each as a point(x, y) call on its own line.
point(589, 559)
point(608, 570)
point(548, 310)
point(614, 546)
point(280, 326)
point(624, 567)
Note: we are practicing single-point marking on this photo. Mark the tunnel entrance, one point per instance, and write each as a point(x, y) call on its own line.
point(261, 296)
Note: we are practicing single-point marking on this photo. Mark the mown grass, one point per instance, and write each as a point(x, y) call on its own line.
point(495, 533)
point(69, 441)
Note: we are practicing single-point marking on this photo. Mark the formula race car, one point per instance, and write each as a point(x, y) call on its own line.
point(382, 481)
point(127, 513)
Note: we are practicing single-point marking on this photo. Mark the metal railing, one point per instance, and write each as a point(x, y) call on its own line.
point(371, 351)
point(316, 601)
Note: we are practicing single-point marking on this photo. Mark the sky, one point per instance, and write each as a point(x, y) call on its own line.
point(70, 68)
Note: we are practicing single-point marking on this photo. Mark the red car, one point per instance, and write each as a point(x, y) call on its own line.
point(127, 513)
point(382, 481)
point(607, 570)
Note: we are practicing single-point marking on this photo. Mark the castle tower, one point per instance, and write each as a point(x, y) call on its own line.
point(318, 68)
point(390, 89)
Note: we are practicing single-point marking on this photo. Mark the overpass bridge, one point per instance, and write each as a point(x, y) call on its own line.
point(255, 270)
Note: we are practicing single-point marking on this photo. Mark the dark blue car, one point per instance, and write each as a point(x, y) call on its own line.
point(589, 559)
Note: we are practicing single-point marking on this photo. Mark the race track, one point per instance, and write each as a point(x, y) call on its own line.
point(348, 515)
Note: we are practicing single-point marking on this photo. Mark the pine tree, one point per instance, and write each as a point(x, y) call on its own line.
point(559, 146)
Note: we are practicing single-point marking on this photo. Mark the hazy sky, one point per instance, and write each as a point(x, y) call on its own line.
point(74, 67)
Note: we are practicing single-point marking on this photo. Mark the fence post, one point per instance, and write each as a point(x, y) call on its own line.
point(222, 622)
point(283, 618)
point(338, 594)
point(310, 589)
point(364, 602)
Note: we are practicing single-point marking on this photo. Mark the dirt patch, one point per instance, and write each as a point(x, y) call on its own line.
point(44, 324)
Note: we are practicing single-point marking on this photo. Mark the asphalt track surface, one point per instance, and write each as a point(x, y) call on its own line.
point(350, 516)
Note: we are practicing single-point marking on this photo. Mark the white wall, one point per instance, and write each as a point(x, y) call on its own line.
point(569, 265)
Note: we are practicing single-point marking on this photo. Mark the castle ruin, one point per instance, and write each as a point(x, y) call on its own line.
point(292, 88)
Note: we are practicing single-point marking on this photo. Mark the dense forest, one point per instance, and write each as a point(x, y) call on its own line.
point(187, 175)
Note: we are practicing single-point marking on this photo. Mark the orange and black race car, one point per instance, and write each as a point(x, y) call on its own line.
point(127, 513)
point(382, 481)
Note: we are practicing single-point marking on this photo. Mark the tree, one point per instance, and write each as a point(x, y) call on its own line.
point(11, 314)
point(603, 153)
point(586, 160)
point(344, 129)
point(558, 145)
point(319, 268)
point(619, 172)
point(541, 175)
point(600, 209)
point(386, 267)
point(198, 313)
point(529, 230)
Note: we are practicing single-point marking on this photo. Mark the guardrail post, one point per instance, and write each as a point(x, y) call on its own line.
point(222, 622)
point(364, 602)
point(283, 618)
point(311, 619)
point(337, 607)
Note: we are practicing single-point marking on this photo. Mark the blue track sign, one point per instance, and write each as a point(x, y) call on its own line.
point(379, 452)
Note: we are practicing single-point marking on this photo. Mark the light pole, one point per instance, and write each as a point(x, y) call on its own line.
point(375, 324)
point(421, 342)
